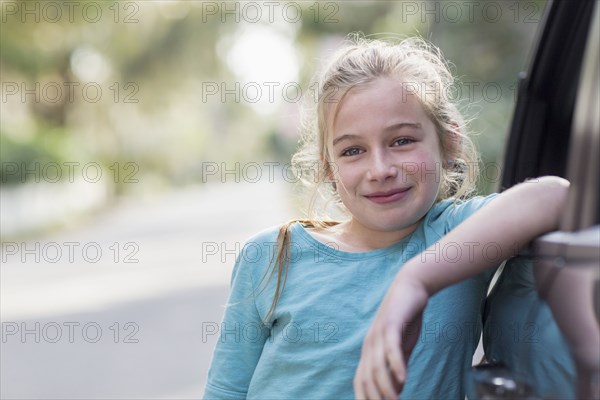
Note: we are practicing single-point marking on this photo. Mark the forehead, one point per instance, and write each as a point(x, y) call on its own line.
point(376, 105)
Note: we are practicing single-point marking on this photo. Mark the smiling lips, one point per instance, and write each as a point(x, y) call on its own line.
point(388, 197)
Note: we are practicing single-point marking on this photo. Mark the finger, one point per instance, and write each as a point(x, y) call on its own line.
point(362, 376)
point(381, 371)
point(395, 358)
point(369, 383)
point(410, 337)
point(382, 375)
point(384, 383)
point(359, 392)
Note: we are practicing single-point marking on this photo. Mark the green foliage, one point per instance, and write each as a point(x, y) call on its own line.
point(152, 61)
point(19, 157)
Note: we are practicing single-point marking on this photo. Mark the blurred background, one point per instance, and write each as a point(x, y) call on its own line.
point(142, 142)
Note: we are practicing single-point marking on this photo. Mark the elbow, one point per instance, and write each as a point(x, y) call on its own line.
point(549, 193)
point(553, 189)
point(555, 182)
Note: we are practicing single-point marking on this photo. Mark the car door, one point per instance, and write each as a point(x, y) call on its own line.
point(549, 341)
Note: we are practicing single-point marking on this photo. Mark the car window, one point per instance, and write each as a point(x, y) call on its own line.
point(540, 132)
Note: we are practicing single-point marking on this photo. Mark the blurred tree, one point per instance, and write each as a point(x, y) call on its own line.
point(154, 60)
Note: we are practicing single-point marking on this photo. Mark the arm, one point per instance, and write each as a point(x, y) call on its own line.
point(509, 222)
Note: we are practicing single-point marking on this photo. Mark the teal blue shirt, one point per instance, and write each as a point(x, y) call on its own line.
point(312, 348)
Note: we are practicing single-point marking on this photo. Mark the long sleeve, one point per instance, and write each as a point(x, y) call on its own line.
point(241, 338)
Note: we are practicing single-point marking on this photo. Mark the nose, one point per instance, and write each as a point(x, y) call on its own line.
point(381, 166)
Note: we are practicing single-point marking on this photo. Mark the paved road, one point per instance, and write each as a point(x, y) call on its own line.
point(89, 324)
point(81, 319)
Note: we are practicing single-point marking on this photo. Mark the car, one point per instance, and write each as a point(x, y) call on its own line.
point(542, 322)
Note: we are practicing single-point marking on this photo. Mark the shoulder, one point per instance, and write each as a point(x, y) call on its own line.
point(257, 249)
point(260, 249)
point(267, 234)
point(265, 237)
point(449, 213)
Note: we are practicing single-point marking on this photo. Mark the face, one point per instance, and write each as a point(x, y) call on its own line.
point(386, 155)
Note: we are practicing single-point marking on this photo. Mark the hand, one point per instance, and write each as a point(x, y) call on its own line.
point(381, 372)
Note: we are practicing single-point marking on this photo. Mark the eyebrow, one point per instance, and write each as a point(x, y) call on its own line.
point(394, 127)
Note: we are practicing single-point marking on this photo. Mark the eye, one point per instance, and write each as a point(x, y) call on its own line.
point(352, 151)
point(403, 141)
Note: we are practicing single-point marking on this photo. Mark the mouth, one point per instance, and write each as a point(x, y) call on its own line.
point(388, 196)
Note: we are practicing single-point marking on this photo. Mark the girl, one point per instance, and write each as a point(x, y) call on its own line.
point(392, 151)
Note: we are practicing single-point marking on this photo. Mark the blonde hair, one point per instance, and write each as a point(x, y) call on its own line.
point(423, 71)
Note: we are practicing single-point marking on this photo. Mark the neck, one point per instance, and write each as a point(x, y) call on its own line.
point(361, 238)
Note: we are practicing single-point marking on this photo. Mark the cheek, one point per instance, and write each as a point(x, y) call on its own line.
point(346, 174)
point(424, 167)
